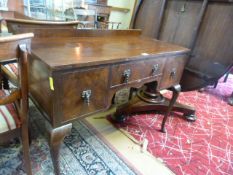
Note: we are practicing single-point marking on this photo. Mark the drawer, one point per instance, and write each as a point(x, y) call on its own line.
point(84, 92)
point(130, 72)
point(173, 71)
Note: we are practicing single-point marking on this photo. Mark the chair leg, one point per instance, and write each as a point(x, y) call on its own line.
point(230, 100)
point(226, 77)
point(215, 84)
point(26, 150)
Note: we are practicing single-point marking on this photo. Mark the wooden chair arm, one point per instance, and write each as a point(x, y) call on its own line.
point(9, 75)
point(14, 95)
point(16, 37)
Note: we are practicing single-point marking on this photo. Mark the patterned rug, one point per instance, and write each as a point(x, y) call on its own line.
point(83, 153)
point(204, 147)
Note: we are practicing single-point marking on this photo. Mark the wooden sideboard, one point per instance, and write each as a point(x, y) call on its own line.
point(77, 75)
point(101, 66)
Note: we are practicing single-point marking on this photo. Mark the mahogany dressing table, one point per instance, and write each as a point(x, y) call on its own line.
point(75, 73)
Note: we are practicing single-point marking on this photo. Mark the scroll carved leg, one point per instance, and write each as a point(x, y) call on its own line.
point(57, 136)
point(176, 90)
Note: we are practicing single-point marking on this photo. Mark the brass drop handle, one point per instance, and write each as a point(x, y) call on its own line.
point(86, 96)
point(173, 73)
point(126, 75)
point(155, 69)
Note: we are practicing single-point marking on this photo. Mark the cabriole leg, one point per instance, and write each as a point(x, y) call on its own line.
point(176, 90)
point(57, 136)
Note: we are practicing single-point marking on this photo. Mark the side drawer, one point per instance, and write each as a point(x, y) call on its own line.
point(173, 71)
point(135, 71)
point(84, 92)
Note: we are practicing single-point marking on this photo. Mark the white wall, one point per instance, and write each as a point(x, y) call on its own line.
point(120, 16)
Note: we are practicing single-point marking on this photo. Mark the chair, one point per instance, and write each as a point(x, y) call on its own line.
point(225, 78)
point(14, 102)
point(84, 16)
point(107, 25)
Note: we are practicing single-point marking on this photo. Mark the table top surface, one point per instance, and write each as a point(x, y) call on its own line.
point(58, 53)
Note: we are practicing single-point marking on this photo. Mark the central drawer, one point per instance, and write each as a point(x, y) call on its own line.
point(127, 73)
point(84, 92)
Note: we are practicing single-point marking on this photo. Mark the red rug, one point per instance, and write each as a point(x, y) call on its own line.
point(204, 147)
